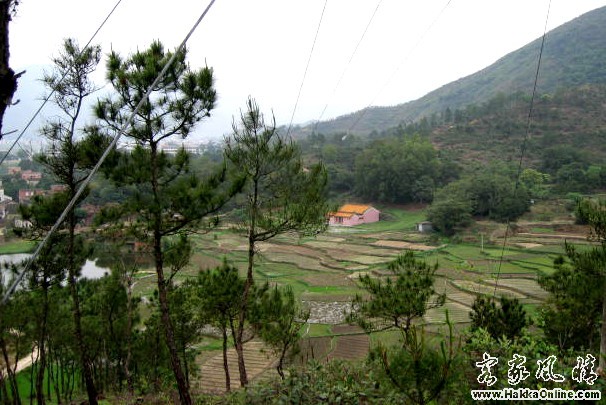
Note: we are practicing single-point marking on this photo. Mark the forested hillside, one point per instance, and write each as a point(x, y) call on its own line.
point(574, 54)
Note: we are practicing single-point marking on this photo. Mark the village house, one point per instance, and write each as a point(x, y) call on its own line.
point(13, 170)
point(31, 177)
point(25, 196)
point(354, 214)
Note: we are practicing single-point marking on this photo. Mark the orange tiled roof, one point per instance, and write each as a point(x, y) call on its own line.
point(347, 210)
point(340, 214)
point(354, 208)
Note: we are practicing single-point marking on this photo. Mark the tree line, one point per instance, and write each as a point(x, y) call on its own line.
point(106, 346)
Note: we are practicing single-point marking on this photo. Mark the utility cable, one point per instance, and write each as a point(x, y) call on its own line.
point(47, 98)
point(306, 67)
point(523, 147)
point(348, 64)
point(107, 151)
point(415, 46)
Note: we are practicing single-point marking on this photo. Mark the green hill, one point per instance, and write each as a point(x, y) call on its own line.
point(574, 55)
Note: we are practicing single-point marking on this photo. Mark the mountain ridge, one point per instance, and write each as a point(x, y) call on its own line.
point(574, 54)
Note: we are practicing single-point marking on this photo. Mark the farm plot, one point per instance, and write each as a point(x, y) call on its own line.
point(402, 245)
point(351, 248)
point(479, 288)
point(350, 347)
point(526, 286)
point(303, 262)
point(258, 360)
point(314, 348)
point(458, 313)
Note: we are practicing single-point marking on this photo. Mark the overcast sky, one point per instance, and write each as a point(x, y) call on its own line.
point(260, 48)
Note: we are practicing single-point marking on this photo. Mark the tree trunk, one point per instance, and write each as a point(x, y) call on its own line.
point(11, 375)
point(244, 308)
point(602, 360)
point(129, 338)
point(225, 365)
point(184, 395)
point(168, 326)
point(8, 79)
point(91, 390)
point(42, 345)
point(248, 284)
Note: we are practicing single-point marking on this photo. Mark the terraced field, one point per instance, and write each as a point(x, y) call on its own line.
point(323, 272)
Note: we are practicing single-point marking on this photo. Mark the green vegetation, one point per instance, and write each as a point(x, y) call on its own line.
point(17, 246)
point(225, 262)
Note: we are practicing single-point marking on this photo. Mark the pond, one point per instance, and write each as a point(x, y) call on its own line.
point(89, 270)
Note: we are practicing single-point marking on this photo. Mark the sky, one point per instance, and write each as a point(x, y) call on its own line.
point(261, 48)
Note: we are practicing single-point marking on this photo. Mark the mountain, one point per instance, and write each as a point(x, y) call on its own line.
point(574, 55)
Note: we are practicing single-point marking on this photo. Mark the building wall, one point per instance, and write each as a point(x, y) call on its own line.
point(371, 215)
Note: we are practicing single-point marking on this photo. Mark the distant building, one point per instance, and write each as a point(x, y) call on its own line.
point(25, 196)
point(424, 227)
point(57, 188)
point(354, 214)
point(12, 170)
point(31, 177)
point(172, 148)
point(5, 201)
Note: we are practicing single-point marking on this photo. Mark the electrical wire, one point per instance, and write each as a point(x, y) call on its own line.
point(523, 147)
point(107, 151)
point(397, 69)
point(306, 68)
point(348, 64)
point(47, 98)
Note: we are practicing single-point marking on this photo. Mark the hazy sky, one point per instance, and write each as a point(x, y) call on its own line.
point(260, 48)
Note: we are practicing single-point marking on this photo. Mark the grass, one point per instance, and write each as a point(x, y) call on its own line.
point(541, 230)
point(17, 246)
point(318, 329)
point(394, 220)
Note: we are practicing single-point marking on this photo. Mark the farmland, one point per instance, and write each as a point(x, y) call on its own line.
point(323, 270)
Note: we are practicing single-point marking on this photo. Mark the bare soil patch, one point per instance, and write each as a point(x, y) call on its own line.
point(402, 245)
point(212, 375)
point(527, 245)
point(350, 347)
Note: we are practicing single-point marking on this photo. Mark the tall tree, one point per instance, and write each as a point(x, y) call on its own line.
point(69, 160)
point(8, 78)
point(218, 297)
point(594, 213)
point(399, 299)
point(279, 322)
point(508, 319)
point(168, 201)
point(404, 296)
point(281, 194)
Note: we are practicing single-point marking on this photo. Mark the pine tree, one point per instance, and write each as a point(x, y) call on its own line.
point(281, 194)
point(169, 201)
point(69, 160)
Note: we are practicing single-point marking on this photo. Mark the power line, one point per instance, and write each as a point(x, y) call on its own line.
point(107, 151)
point(60, 80)
point(415, 46)
point(306, 67)
point(348, 63)
point(523, 146)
